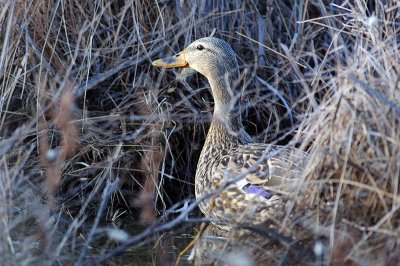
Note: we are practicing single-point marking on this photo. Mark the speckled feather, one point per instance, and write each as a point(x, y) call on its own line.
point(223, 159)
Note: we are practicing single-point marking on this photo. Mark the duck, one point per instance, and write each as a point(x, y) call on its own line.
point(238, 173)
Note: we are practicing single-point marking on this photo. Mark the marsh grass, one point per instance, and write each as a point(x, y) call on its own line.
point(91, 132)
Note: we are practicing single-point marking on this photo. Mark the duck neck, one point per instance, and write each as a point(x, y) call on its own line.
point(226, 115)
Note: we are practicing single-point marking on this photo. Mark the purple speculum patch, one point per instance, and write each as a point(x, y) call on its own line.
point(258, 190)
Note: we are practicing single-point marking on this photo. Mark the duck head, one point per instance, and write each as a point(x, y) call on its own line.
point(211, 57)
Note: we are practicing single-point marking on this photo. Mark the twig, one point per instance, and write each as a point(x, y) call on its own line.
point(108, 190)
point(156, 228)
point(270, 49)
point(7, 37)
point(277, 237)
point(275, 91)
point(95, 80)
point(374, 93)
point(191, 244)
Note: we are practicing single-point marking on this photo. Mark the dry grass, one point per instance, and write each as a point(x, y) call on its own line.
point(91, 132)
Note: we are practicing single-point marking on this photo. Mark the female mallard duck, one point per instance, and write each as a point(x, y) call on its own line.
point(229, 155)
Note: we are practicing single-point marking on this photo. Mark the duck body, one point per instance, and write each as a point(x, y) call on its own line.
point(234, 170)
point(247, 171)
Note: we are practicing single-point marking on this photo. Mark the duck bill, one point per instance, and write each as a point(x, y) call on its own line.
point(177, 61)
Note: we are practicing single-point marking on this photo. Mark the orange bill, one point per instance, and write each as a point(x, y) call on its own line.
point(177, 61)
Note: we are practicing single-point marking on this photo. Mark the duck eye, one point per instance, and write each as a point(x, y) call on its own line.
point(200, 47)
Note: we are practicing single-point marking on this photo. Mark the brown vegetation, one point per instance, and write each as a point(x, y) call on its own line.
point(91, 132)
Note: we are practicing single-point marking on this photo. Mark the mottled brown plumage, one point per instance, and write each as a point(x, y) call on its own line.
point(228, 154)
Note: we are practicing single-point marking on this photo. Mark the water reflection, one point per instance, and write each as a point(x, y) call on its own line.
point(260, 246)
point(246, 245)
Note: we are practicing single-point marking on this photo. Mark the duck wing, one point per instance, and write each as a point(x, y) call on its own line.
point(262, 165)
